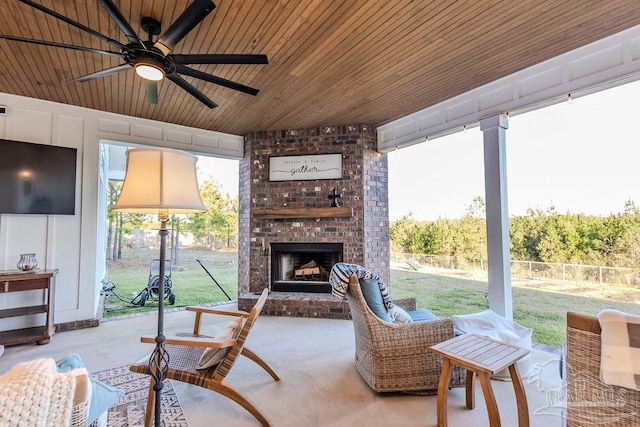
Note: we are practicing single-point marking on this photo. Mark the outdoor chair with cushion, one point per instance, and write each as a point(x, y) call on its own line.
point(591, 401)
point(205, 361)
point(396, 357)
point(101, 396)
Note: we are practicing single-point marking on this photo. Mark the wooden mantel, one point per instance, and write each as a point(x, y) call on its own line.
point(288, 213)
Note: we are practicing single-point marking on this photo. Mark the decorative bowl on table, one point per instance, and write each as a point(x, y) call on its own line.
point(27, 262)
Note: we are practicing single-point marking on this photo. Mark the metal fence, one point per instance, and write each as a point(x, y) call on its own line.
point(527, 269)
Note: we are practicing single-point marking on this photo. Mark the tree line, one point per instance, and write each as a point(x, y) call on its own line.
point(217, 226)
point(540, 235)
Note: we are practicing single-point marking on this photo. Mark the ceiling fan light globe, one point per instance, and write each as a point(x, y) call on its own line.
point(149, 72)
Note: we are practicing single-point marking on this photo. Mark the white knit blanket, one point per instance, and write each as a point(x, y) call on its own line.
point(34, 394)
point(620, 359)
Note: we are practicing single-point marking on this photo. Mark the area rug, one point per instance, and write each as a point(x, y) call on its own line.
point(129, 410)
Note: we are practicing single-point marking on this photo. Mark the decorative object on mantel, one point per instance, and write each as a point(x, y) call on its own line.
point(299, 168)
point(334, 196)
point(27, 262)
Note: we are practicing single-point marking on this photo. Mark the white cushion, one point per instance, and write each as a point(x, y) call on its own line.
point(620, 355)
point(212, 356)
point(399, 315)
point(490, 324)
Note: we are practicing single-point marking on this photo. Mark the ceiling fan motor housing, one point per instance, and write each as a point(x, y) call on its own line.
point(136, 55)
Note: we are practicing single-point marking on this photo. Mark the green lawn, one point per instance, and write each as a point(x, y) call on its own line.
point(189, 281)
point(535, 304)
point(543, 311)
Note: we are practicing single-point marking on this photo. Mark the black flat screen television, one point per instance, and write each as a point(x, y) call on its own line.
point(37, 178)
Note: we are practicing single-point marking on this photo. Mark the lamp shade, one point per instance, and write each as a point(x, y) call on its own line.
point(160, 181)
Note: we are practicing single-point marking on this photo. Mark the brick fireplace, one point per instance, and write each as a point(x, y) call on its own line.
point(303, 267)
point(290, 235)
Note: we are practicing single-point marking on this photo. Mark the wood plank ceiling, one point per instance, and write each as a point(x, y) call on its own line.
point(331, 62)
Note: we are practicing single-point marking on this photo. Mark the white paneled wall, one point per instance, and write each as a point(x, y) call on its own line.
point(74, 243)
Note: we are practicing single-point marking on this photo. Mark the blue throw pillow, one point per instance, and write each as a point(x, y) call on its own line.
point(422, 315)
point(373, 297)
point(103, 396)
point(69, 363)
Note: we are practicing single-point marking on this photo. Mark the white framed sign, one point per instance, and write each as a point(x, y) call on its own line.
point(299, 168)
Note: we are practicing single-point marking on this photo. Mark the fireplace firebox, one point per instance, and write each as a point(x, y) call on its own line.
point(303, 267)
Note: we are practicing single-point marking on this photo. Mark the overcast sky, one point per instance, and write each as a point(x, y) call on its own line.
point(223, 171)
point(580, 157)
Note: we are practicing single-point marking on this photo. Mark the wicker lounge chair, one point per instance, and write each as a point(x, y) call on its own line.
point(395, 357)
point(185, 351)
point(590, 402)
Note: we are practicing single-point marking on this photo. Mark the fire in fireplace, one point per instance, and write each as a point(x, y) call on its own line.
point(303, 267)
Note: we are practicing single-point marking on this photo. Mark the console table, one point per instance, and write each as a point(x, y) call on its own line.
point(17, 281)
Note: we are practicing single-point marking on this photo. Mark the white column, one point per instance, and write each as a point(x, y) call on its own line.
point(495, 184)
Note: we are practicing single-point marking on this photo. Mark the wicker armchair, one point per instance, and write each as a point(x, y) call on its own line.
point(395, 357)
point(590, 402)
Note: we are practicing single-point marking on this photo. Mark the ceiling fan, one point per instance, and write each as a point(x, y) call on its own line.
point(153, 60)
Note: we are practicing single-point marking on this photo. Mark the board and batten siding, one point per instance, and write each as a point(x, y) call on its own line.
point(75, 244)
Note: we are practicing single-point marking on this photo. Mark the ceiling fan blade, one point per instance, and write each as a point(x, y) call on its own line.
point(191, 17)
point(62, 45)
point(207, 58)
point(152, 91)
point(121, 22)
point(56, 15)
point(215, 79)
point(191, 89)
point(103, 73)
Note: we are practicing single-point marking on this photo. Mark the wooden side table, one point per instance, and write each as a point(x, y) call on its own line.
point(482, 356)
point(13, 281)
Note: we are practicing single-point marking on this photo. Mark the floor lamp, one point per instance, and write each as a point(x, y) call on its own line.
point(160, 181)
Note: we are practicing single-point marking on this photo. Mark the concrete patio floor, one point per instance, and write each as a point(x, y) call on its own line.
point(319, 383)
